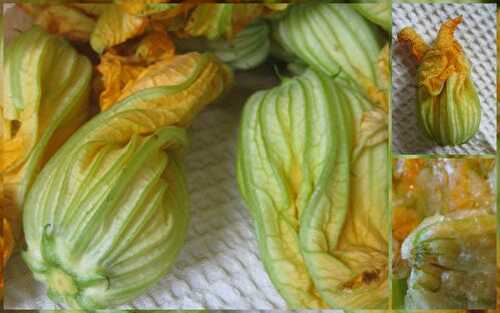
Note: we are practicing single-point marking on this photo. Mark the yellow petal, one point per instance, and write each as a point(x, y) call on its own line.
point(119, 70)
point(115, 26)
point(145, 7)
point(210, 20)
point(379, 95)
point(373, 130)
point(437, 63)
point(404, 220)
point(276, 6)
point(215, 20)
point(39, 113)
point(155, 46)
point(418, 47)
point(116, 73)
point(91, 9)
point(63, 20)
point(174, 18)
point(174, 72)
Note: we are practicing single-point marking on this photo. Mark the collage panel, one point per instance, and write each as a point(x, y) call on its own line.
point(444, 193)
point(444, 78)
point(444, 233)
point(219, 156)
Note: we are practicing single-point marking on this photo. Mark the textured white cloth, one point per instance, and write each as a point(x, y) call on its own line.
point(219, 267)
point(477, 35)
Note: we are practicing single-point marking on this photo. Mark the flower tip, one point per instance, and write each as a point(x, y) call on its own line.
point(406, 34)
point(457, 20)
point(417, 45)
point(451, 24)
point(445, 38)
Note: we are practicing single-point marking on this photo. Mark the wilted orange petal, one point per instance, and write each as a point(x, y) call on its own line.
point(156, 45)
point(404, 220)
point(445, 39)
point(120, 70)
point(7, 241)
point(443, 59)
point(116, 73)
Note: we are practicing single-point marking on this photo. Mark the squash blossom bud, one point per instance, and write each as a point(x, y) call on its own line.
point(448, 106)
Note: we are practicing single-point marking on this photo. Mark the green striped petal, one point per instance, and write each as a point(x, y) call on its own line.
point(332, 37)
point(453, 116)
point(379, 13)
point(247, 50)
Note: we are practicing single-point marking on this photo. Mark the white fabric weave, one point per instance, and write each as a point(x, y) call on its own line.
point(477, 35)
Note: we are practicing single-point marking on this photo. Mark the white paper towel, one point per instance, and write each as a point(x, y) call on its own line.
point(219, 267)
point(477, 35)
